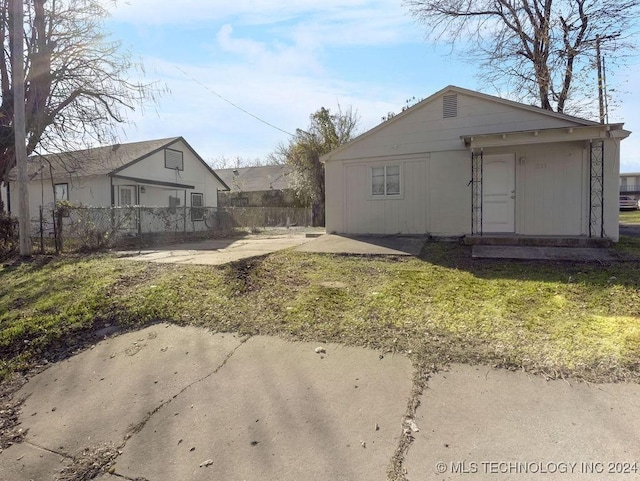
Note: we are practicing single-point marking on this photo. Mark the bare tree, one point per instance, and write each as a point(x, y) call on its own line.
point(236, 162)
point(325, 133)
point(78, 83)
point(542, 51)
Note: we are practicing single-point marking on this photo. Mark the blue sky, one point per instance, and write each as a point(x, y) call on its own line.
point(283, 60)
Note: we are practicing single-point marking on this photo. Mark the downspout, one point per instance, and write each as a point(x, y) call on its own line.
point(8, 198)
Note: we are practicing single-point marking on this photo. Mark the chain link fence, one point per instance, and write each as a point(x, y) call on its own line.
point(78, 228)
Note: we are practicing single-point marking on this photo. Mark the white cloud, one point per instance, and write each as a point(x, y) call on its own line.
point(358, 22)
point(246, 11)
point(277, 57)
point(216, 128)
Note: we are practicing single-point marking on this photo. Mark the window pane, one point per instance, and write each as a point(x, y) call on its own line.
point(377, 180)
point(61, 192)
point(197, 212)
point(393, 180)
point(126, 196)
point(173, 159)
point(196, 200)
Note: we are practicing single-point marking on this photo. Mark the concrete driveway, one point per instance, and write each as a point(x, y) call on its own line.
point(178, 403)
point(218, 251)
point(223, 251)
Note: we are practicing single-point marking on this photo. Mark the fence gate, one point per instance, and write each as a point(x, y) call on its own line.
point(596, 188)
point(476, 192)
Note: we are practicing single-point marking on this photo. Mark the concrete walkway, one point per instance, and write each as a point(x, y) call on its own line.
point(217, 251)
point(365, 245)
point(223, 251)
point(183, 404)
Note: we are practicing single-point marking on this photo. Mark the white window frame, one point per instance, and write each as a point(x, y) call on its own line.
point(386, 194)
point(174, 164)
point(197, 211)
point(58, 198)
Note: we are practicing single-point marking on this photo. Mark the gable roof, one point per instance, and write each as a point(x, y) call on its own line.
point(256, 179)
point(459, 90)
point(107, 160)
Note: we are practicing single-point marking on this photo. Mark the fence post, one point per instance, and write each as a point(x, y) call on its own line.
point(185, 218)
point(41, 231)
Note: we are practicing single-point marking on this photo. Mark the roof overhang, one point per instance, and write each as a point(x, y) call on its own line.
point(540, 136)
point(153, 182)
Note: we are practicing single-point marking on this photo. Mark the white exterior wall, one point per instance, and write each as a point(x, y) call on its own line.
point(96, 191)
point(612, 188)
point(405, 213)
point(552, 180)
point(424, 130)
point(442, 208)
point(194, 174)
point(90, 191)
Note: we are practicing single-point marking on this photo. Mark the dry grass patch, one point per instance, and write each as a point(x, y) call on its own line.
point(564, 319)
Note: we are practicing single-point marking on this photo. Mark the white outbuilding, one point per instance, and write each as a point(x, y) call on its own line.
point(463, 163)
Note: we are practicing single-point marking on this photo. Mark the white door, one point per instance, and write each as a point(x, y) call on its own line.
point(498, 193)
point(128, 218)
point(127, 195)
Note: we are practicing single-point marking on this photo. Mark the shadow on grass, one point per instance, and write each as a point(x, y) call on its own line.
point(625, 272)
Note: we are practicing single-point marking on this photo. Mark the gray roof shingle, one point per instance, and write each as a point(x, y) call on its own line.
point(95, 160)
point(256, 179)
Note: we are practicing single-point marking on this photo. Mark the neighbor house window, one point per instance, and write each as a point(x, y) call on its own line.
point(197, 207)
point(173, 159)
point(385, 180)
point(61, 192)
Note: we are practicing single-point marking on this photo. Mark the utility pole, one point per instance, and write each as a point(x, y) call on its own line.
point(17, 68)
point(600, 82)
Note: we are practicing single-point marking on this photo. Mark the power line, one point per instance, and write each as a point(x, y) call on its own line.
point(231, 103)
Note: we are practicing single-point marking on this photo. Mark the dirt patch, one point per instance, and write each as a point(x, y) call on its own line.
point(90, 462)
point(10, 431)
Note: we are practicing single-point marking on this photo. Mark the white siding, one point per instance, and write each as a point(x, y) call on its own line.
point(552, 179)
point(434, 199)
point(90, 191)
point(194, 174)
point(551, 193)
point(370, 214)
point(424, 129)
point(449, 193)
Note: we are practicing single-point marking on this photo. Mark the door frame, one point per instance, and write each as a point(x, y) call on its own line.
point(508, 159)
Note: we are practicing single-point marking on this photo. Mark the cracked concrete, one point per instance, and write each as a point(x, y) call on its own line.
point(180, 403)
point(481, 424)
point(174, 398)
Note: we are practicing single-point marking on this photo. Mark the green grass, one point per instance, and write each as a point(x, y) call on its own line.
point(563, 319)
point(630, 217)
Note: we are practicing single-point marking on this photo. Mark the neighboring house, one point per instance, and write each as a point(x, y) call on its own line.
point(463, 163)
point(154, 173)
point(630, 184)
point(264, 186)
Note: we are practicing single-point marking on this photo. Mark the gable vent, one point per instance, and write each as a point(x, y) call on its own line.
point(449, 106)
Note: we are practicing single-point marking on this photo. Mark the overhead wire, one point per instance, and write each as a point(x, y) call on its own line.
point(234, 105)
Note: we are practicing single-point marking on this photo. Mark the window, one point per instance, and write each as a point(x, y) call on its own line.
point(126, 195)
point(173, 203)
point(61, 192)
point(173, 159)
point(197, 207)
point(385, 180)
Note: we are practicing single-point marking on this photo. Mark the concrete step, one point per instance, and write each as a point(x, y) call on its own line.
point(538, 241)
